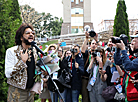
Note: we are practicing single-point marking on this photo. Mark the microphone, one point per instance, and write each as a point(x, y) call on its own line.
point(38, 49)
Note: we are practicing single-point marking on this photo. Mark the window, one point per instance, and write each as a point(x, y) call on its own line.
point(76, 11)
point(77, 30)
point(72, 0)
point(72, 11)
point(77, 24)
point(76, 21)
point(81, 0)
point(77, 1)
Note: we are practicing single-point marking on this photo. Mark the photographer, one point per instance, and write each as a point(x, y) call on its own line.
point(124, 58)
point(65, 64)
point(97, 79)
point(77, 69)
point(87, 57)
point(130, 65)
point(110, 49)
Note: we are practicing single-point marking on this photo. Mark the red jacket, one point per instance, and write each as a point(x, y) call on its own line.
point(132, 93)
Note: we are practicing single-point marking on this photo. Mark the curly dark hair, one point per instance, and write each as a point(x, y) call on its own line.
point(20, 32)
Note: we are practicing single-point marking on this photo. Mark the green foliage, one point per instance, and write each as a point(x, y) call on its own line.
point(48, 43)
point(44, 24)
point(36, 98)
point(121, 25)
point(80, 99)
point(15, 12)
point(55, 25)
point(8, 26)
point(52, 25)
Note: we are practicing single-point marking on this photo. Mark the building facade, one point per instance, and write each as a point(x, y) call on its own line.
point(107, 25)
point(76, 16)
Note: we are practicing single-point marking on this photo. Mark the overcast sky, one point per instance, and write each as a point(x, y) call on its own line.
point(101, 9)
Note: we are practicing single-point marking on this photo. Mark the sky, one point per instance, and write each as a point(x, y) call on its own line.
point(100, 9)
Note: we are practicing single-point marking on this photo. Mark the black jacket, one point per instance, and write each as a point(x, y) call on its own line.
point(77, 73)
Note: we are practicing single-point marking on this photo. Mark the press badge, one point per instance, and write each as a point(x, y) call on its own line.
point(55, 74)
point(119, 88)
point(92, 81)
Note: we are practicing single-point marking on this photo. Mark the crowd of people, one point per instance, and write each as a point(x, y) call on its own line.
point(83, 69)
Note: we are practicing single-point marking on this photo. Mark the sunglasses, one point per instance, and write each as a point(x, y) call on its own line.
point(28, 32)
point(94, 43)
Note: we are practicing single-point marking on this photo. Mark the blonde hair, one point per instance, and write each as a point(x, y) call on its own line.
point(51, 45)
point(104, 57)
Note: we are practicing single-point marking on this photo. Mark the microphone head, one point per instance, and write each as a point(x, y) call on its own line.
point(32, 43)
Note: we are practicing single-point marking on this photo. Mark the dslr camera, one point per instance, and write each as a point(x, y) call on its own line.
point(122, 37)
point(91, 32)
point(110, 49)
point(96, 53)
point(73, 51)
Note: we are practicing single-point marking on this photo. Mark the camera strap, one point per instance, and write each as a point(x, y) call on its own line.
point(71, 64)
point(126, 84)
point(90, 58)
point(86, 61)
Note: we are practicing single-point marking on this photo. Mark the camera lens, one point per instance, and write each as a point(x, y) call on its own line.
point(116, 40)
point(92, 33)
point(94, 54)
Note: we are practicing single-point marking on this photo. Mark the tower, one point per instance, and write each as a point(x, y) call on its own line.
point(76, 15)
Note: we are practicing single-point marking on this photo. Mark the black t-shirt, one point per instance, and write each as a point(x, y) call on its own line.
point(109, 76)
point(85, 57)
point(30, 72)
point(64, 64)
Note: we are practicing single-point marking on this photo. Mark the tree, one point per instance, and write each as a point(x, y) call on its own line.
point(126, 18)
point(30, 16)
point(8, 27)
point(121, 25)
point(44, 24)
point(55, 26)
point(15, 10)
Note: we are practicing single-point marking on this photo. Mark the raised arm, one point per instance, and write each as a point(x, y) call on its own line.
point(84, 47)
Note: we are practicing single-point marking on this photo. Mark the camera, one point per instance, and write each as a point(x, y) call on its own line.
point(92, 33)
point(108, 49)
point(122, 37)
point(96, 53)
point(100, 68)
point(73, 51)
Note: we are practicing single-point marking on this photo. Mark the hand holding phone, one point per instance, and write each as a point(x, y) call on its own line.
point(63, 44)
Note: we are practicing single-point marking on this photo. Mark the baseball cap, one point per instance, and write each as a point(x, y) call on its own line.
point(135, 35)
point(76, 45)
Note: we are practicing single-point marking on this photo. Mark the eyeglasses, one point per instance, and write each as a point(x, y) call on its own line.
point(68, 53)
point(28, 32)
point(94, 43)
